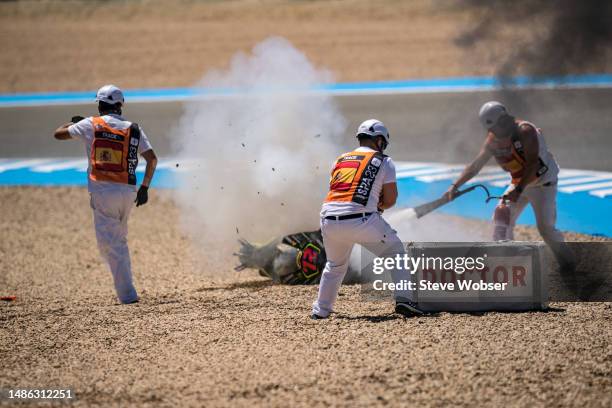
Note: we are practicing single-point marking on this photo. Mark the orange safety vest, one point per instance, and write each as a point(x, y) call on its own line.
point(510, 156)
point(114, 153)
point(353, 176)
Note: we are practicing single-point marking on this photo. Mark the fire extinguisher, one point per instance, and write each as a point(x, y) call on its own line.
point(501, 221)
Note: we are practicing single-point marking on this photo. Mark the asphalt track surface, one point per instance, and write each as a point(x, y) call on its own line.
point(440, 127)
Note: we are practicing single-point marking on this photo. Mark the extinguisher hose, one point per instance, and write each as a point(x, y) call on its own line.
point(474, 187)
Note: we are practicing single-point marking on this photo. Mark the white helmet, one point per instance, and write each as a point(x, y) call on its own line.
point(110, 94)
point(490, 113)
point(373, 128)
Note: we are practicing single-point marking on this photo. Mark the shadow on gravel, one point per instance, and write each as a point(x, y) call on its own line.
point(477, 314)
point(258, 284)
point(371, 319)
point(385, 318)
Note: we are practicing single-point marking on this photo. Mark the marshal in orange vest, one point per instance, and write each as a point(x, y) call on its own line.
point(510, 156)
point(353, 176)
point(114, 153)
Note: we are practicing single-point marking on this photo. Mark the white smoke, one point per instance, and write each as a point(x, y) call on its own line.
point(434, 227)
point(259, 157)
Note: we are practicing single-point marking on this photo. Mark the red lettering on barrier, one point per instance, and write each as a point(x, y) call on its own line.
point(496, 275)
point(500, 275)
point(447, 273)
point(518, 276)
point(483, 274)
point(431, 273)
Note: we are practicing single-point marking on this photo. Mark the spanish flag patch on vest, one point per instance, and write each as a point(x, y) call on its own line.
point(114, 153)
point(353, 176)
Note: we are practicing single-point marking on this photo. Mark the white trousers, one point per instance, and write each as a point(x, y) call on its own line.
point(111, 211)
point(339, 237)
point(543, 200)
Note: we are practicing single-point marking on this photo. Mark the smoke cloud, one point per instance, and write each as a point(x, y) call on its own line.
point(547, 37)
point(255, 156)
point(259, 156)
point(434, 228)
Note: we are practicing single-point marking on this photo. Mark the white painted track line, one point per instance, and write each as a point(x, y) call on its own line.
point(596, 183)
point(601, 193)
point(586, 187)
point(479, 179)
point(19, 164)
point(61, 165)
point(583, 180)
point(431, 170)
point(456, 173)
